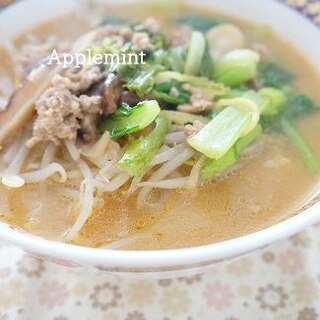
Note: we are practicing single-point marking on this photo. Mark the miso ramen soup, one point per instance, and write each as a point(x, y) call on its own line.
point(211, 133)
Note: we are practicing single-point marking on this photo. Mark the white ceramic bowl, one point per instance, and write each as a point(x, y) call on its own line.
point(289, 23)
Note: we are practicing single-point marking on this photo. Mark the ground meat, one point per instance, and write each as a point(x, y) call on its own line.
point(152, 25)
point(88, 127)
point(192, 129)
point(198, 103)
point(120, 34)
point(262, 50)
point(141, 41)
point(60, 113)
point(174, 92)
point(79, 80)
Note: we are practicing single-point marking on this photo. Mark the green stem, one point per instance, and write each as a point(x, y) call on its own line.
point(300, 145)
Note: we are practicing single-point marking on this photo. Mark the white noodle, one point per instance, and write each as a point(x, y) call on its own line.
point(175, 137)
point(167, 184)
point(86, 201)
point(134, 186)
point(104, 151)
point(11, 177)
point(17, 162)
point(194, 174)
point(164, 171)
point(48, 155)
point(125, 241)
point(167, 155)
point(163, 148)
point(73, 150)
point(113, 185)
point(45, 173)
point(100, 147)
point(109, 171)
point(3, 104)
point(11, 151)
point(12, 53)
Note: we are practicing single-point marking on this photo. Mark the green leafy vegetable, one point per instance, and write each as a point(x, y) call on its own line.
point(301, 147)
point(221, 133)
point(206, 69)
point(250, 102)
point(177, 57)
point(272, 75)
point(163, 91)
point(160, 57)
point(298, 106)
point(139, 80)
point(140, 152)
point(196, 51)
point(182, 118)
point(293, 108)
point(214, 167)
point(268, 100)
point(105, 46)
point(236, 67)
point(211, 88)
point(275, 99)
point(112, 20)
point(235, 92)
point(128, 119)
point(199, 23)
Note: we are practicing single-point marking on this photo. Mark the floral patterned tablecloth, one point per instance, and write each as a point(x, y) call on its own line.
point(281, 282)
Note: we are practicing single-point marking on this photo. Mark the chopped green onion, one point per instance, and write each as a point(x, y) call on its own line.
point(140, 152)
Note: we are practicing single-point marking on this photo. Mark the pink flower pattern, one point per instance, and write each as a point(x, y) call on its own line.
point(218, 295)
point(291, 261)
point(53, 294)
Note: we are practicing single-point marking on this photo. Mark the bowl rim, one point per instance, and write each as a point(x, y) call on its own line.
point(182, 257)
point(176, 258)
